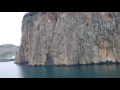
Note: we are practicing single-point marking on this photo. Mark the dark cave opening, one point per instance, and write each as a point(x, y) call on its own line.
point(49, 60)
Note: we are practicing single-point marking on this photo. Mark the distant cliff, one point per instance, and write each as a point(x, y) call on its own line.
point(7, 51)
point(69, 38)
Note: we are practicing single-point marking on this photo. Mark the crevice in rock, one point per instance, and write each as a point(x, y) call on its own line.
point(49, 60)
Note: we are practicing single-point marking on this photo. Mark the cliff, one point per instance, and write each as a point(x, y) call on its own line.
point(69, 38)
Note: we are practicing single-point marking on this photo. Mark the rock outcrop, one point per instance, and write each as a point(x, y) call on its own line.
point(69, 38)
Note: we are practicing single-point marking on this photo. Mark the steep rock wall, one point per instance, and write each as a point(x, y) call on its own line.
point(69, 38)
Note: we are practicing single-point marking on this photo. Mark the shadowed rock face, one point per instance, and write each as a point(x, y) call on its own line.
point(69, 38)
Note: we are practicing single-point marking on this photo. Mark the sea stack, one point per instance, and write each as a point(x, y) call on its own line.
point(69, 38)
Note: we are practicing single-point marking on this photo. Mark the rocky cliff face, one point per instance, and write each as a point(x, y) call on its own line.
point(69, 38)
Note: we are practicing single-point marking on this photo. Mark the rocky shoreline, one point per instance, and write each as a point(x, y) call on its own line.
point(101, 63)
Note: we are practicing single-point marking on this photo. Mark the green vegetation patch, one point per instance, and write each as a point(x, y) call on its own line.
point(7, 51)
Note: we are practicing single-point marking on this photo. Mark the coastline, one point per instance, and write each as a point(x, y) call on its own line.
point(6, 60)
point(64, 65)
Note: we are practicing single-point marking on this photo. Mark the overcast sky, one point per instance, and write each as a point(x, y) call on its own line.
point(10, 27)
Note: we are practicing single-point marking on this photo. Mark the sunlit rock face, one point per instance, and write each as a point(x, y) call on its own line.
point(69, 38)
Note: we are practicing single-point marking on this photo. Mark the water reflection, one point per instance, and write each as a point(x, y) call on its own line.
point(11, 70)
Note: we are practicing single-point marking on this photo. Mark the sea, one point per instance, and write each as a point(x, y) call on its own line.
point(12, 70)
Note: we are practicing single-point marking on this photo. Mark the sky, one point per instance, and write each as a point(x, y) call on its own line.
point(10, 27)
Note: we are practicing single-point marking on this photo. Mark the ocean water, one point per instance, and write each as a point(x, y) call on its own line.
point(11, 70)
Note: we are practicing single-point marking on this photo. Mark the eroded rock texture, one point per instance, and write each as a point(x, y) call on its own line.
point(69, 38)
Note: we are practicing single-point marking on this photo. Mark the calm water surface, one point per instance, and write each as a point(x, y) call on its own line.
point(11, 70)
